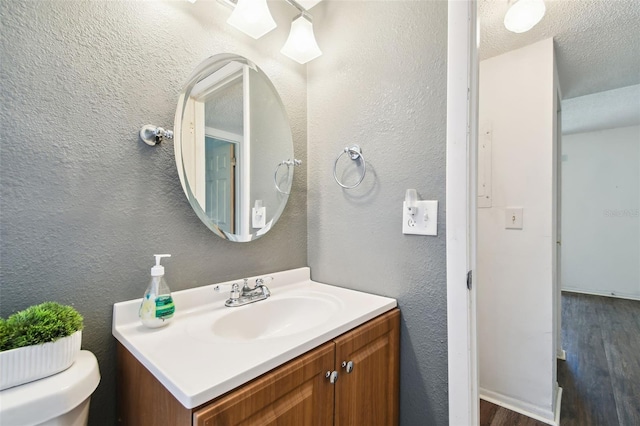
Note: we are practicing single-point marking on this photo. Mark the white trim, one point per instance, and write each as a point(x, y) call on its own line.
point(222, 134)
point(562, 355)
point(526, 409)
point(200, 190)
point(214, 82)
point(601, 293)
point(460, 212)
point(558, 405)
point(244, 194)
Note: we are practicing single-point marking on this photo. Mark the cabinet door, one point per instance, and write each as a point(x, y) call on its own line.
point(142, 399)
point(295, 394)
point(368, 394)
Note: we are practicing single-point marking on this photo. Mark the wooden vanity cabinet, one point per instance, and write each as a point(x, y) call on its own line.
point(298, 393)
point(367, 389)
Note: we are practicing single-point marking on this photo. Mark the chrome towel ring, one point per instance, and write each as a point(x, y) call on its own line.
point(287, 163)
point(354, 152)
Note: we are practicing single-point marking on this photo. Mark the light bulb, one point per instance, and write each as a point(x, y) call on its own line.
point(252, 17)
point(301, 45)
point(524, 15)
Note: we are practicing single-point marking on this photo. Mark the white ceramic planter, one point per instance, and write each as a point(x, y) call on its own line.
point(23, 365)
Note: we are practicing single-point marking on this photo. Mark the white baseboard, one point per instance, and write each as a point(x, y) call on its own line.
point(600, 293)
point(562, 355)
point(558, 406)
point(524, 408)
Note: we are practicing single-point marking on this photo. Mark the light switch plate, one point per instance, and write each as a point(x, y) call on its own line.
point(424, 222)
point(513, 218)
point(258, 217)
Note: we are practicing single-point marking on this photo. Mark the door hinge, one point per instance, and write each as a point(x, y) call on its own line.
point(469, 280)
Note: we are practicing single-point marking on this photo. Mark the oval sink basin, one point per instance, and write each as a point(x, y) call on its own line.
point(270, 318)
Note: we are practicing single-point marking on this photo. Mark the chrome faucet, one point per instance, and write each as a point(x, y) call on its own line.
point(246, 295)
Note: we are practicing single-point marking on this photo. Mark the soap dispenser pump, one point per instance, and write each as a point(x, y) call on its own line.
point(157, 308)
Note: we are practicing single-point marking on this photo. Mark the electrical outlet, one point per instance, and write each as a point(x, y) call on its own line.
point(258, 217)
point(424, 221)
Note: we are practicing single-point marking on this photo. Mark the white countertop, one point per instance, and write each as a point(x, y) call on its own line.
point(197, 366)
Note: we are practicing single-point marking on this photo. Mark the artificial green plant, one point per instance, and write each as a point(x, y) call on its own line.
point(39, 324)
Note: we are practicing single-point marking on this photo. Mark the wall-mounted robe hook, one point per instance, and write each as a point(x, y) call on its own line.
point(152, 135)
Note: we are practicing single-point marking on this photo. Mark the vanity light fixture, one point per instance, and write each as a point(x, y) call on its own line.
point(253, 18)
point(524, 15)
point(301, 45)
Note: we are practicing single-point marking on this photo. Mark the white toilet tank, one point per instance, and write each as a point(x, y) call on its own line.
point(58, 400)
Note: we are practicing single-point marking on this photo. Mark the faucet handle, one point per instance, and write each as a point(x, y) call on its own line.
point(246, 287)
point(223, 287)
point(263, 281)
point(234, 289)
point(235, 292)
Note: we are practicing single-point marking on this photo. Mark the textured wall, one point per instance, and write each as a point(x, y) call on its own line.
point(84, 203)
point(381, 83)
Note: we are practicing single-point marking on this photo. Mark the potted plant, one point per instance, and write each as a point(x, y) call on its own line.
point(37, 342)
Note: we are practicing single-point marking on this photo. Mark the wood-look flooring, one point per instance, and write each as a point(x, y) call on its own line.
point(494, 415)
point(601, 376)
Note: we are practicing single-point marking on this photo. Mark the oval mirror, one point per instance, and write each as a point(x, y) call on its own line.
point(233, 147)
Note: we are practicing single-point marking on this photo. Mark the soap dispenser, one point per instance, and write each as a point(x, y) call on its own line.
point(157, 308)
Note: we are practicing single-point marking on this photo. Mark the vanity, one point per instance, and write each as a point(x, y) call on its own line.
point(310, 354)
point(277, 349)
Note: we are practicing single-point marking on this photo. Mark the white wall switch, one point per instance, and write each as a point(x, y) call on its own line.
point(424, 221)
point(513, 218)
point(258, 217)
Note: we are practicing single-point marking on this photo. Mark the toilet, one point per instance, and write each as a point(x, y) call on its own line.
point(58, 400)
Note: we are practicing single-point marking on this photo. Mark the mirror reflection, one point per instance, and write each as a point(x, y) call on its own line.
point(234, 149)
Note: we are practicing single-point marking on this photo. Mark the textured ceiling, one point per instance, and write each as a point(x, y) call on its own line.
point(602, 110)
point(597, 42)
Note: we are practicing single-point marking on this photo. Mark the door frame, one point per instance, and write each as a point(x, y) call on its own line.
point(462, 136)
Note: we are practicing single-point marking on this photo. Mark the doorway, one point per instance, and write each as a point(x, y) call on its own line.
point(220, 182)
point(620, 207)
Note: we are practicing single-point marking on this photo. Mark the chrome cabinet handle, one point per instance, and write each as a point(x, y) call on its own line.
point(348, 366)
point(332, 376)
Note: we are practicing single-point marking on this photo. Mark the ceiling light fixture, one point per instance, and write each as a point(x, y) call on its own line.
point(524, 15)
point(253, 18)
